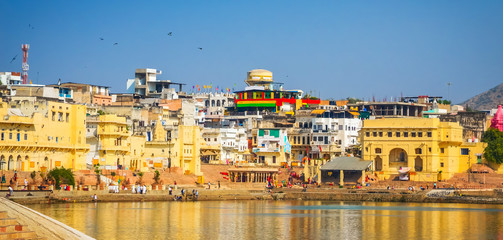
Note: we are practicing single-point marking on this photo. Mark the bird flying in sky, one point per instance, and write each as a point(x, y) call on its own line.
point(102, 39)
point(170, 34)
point(200, 48)
point(116, 44)
point(14, 58)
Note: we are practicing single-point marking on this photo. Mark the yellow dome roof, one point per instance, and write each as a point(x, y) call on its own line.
point(259, 75)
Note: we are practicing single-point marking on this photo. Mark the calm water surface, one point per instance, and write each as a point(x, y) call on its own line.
point(279, 220)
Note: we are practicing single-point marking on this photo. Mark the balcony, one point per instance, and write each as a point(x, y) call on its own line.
point(265, 150)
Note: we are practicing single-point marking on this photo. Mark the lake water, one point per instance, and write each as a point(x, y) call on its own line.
point(279, 220)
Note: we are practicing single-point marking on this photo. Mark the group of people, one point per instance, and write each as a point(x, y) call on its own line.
point(195, 194)
point(139, 189)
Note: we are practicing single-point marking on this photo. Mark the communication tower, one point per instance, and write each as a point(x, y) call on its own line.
point(26, 67)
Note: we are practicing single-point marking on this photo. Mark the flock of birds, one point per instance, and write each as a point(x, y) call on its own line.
point(170, 34)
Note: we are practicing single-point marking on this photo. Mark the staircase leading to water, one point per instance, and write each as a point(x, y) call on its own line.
point(11, 229)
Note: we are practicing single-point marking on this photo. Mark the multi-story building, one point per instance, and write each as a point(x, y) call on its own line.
point(10, 78)
point(263, 94)
point(84, 93)
point(146, 84)
point(273, 147)
point(50, 136)
point(112, 138)
point(429, 149)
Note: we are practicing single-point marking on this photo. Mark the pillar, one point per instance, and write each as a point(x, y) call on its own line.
point(341, 180)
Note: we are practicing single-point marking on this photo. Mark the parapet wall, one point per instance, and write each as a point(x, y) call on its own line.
point(43, 225)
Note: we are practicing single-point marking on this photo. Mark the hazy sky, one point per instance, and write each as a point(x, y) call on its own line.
point(335, 49)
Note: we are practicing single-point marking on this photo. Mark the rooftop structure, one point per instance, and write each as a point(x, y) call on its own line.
point(262, 93)
point(146, 84)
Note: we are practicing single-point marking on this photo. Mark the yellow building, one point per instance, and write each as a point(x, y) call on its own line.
point(54, 137)
point(432, 150)
point(159, 147)
point(113, 148)
point(188, 149)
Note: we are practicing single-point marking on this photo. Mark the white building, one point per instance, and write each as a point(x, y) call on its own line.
point(10, 78)
point(146, 84)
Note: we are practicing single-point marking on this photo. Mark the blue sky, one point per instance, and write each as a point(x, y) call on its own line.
point(334, 49)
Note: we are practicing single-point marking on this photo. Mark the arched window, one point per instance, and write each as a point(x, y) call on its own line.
point(207, 103)
point(223, 103)
point(212, 103)
point(218, 103)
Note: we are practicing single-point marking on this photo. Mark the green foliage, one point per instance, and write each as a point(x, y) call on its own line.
point(157, 176)
point(446, 102)
point(494, 150)
point(33, 175)
point(140, 177)
point(97, 170)
point(113, 174)
point(61, 175)
point(353, 100)
point(101, 112)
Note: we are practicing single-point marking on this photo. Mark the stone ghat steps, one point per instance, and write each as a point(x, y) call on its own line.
point(11, 229)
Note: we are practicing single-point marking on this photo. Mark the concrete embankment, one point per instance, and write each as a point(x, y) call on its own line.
point(376, 195)
point(44, 226)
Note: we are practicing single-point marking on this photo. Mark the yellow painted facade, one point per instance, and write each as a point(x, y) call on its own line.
point(433, 150)
point(41, 142)
point(113, 135)
point(188, 149)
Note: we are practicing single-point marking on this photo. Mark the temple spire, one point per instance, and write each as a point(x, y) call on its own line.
point(497, 121)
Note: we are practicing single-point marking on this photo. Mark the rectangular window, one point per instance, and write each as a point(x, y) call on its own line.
point(367, 134)
point(397, 134)
point(405, 134)
point(10, 135)
point(380, 134)
point(413, 134)
point(374, 134)
point(428, 134)
point(420, 134)
point(56, 139)
point(441, 150)
point(441, 164)
point(53, 115)
point(2, 135)
point(67, 117)
point(479, 158)
point(429, 149)
point(465, 151)
point(390, 134)
point(19, 137)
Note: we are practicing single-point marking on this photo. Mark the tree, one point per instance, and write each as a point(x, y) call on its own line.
point(494, 150)
point(140, 177)
point(33, 176)
point(62, 175)
point(157, 176)
point(353, 100)
point(97, 170)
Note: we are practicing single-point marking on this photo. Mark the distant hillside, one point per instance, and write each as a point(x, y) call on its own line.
point(487, 100)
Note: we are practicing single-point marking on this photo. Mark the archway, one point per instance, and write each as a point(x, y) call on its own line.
point(2, 162)
point(378, 163)
point(398, 157)
point(26, 163)
point(418, 164)
point(10, 164)
point(19, 161)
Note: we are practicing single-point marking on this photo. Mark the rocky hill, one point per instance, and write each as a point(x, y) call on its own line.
point(487, 100)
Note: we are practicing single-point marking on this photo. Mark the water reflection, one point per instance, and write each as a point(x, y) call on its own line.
point(279, 219)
